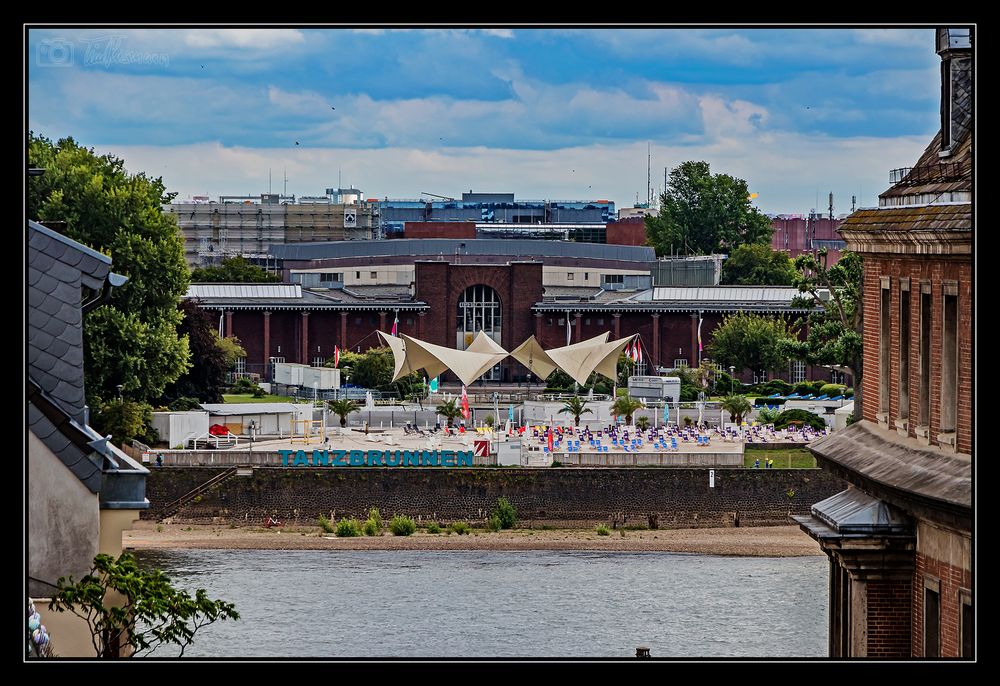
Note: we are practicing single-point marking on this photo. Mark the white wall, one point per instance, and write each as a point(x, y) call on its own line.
point(175, 427)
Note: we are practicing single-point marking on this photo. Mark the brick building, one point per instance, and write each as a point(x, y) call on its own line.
point(900, 538)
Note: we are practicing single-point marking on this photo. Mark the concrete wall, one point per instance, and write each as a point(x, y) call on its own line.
point(566, 496)
point(698, 459)
point(63, 520)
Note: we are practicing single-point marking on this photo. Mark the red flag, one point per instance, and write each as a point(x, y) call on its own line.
point(550, 439)
point(336, 356)
point(638, 351)
point(395, 326)
point(465, 404)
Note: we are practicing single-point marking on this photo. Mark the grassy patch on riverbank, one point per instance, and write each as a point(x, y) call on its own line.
point(786, 458)
point(247, 398)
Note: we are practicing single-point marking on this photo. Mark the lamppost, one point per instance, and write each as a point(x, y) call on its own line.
point(732, 379)
point(120, 387)
point(529, 385)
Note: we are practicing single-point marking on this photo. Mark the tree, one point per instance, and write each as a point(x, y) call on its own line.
point(626, 405)
point(133, 340)
point(374, 369)
point(737, 406)
point(701, 213)
point(126, 420)
point(758, 265)
point(834, 335)
point(576, 406)
point(154, 613)
point(233, 270)
point(751, 341)
point(342, 408)
point(449, 410)
point(206, 378)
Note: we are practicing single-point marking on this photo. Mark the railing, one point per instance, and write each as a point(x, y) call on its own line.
point(913, 175)
point(173, 506)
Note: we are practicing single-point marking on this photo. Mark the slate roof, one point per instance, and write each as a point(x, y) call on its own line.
point(58, 270)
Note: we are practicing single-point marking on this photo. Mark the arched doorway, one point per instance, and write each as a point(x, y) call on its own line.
point(479, 309)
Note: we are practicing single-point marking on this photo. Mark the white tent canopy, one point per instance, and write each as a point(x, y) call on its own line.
point(578, 360)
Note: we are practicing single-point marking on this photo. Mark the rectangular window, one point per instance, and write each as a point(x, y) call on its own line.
point(373, 275)
point(883, 349)
point(586, 322)
point(409, 322)
point(925, 356)
point(949, 362)
point(838, 377)
point(318, 361)
point(561, 322)
point(600, 321)
point(586, 276)
point(797, 371)
point(966, 625)
point(932, 622)
point(613, 278)
point(326, 278)
point(680, 363)
point(904, 350)
point(241, 365)
point(569, 276)
point(357, 275)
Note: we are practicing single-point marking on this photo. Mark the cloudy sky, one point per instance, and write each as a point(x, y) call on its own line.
point(545, 113)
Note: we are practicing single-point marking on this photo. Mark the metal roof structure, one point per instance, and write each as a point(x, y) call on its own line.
point(423, 248)
point(235, 409)
point(682, 299)
point(286, 296)
point(244, 290)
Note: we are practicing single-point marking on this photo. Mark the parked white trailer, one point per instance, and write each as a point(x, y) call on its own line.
point(657, 388)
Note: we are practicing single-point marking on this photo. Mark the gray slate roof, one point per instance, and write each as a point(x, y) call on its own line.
point(423, 248)
point(58, 268)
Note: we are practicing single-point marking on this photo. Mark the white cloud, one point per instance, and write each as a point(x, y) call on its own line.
point(261, 39)
point(499, 33)
point(904, 38)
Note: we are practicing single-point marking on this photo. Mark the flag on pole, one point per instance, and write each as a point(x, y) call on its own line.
point(510, 414)
point(550, 438)
point(336, 356)
point(433, 385)
point(395, 325)
point(666, 412)
point(700, 320)
point(465, 403)
point(638, 352)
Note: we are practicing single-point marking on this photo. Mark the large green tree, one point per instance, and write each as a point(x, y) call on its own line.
point(702, 213)
point(210, 360)
point(835, 326)
point(747, 340)
point(133, 341)
point(373, 369)
point(758, 265)
point(233, 270)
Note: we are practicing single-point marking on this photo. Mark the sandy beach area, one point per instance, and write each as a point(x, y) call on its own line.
point(764, 541)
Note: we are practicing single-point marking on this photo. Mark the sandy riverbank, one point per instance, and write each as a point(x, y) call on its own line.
point(764, 541)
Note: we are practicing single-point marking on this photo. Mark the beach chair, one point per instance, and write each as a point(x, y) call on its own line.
point(837, 397)
point(793, 396)
point(825, 396)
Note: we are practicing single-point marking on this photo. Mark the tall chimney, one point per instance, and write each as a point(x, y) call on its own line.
point(955, 47)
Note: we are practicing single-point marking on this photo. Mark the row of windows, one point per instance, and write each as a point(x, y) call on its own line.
point(599, 321)
point(932, 621)
point(949, 351)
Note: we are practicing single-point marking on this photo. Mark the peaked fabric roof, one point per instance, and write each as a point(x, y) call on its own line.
point(581, 359)
point(533, 356)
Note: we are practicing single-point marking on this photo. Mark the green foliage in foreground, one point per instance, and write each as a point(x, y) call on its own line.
point(401, 525)
point(460, 528)
point(326, 525)
point(505, 513)
point(433, 528)
point(348, 527)
point(154, 613)
point(602, 530)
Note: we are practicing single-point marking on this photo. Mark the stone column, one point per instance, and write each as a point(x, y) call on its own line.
point(343, 331)
point(381, 322)
point(267, 346)
point(618, 325)
point(304, 357)
point(693, 357)
point(420, 324)
point(656, 342)
point(538, 327)
point(577, 325)
point(229, 323)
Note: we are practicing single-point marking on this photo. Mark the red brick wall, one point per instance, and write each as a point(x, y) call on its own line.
point(952, 579)
point(627, 232)
point(934, 270)
point(461, 230)
point(889, 617)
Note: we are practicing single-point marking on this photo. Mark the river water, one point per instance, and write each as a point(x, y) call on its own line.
point(367, 604)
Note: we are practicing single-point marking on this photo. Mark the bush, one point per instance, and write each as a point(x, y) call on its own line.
point(433, 528)
point(688, 421)
point(494, 523)
point(766, 416)
point(258, 392)
point(326, 525)
point(371, 528)
point(849, 393)
point(505, 513)
point(799, 417)
point(774, 386)
point(807, 387)
point(488, 420)
point(603, 530)
point(642, 423)
point(401, 525)
point(689, 393)
point(460, 528)
point(244, 385)
point(184, 404)
point(832, 389)
point(373, 514)
point(348, 527)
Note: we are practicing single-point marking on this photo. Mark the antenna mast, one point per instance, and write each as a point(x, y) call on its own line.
point(649, 193)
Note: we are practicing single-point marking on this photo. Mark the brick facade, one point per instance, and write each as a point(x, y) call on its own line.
point(888, 617)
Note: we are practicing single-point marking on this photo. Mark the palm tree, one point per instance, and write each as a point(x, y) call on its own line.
point(626, 405)
point(642, 423)
point(737, 406)
point(449, 410)
point(342, 408)
point(576, 406)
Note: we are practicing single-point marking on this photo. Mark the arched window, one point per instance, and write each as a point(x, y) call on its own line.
point(479, 309)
